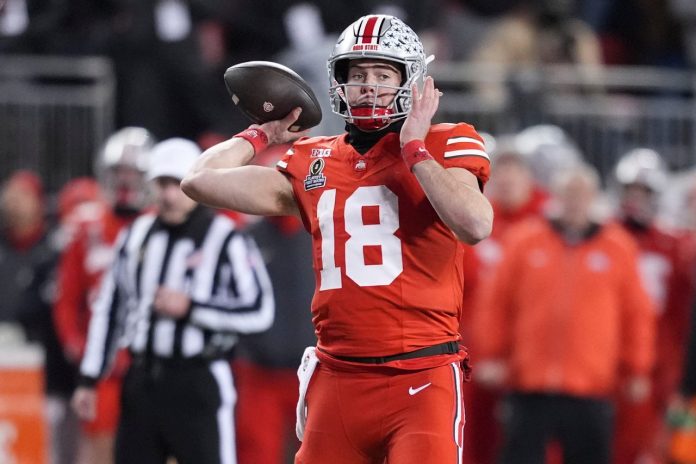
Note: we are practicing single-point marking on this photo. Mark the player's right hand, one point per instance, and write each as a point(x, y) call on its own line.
point(84, 403)
point(278, 131)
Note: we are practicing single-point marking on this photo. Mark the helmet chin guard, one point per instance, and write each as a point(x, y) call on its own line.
point(370, 118)
point(377, 37)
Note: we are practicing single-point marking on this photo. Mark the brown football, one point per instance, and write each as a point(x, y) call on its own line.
point(265, 91)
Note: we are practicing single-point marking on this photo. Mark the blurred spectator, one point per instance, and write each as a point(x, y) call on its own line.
point(566, 313)
point(28, 26)
point(37, 317)
point(685, 12)
point(27, 259)
point(120, 165)
point(83, 28)
point(266, 368)
point(76, 196)
point(640, 177)
point(644, 32)
point(306, 53)
point(28, 255)
point(163, 52)
point(22, 238)
point(537, 32)
point(548, 150)
point(515, 197)
point(461, 26)
point(515, 194)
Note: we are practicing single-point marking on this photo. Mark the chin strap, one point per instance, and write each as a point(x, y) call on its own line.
point(370, 119)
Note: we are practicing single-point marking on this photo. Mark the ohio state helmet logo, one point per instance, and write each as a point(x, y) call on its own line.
point(392, 33)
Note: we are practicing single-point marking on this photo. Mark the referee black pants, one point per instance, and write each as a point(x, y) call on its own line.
point(177, 409)
point(582, 426)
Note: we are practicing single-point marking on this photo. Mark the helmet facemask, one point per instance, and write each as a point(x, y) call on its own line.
point(382, 38)
point(121, 165)
point(641, 175)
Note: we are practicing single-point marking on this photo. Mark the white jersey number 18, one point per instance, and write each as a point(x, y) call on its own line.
point(361, 235)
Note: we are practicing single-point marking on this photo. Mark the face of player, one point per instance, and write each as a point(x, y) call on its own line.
point(638, 203)
point(368, 74)
point(690, 206)
point(575, 199)
point(511, 184)
point(127, 187)
point(173, 206)
point(20, 206)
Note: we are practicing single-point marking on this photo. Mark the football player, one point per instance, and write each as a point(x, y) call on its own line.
point(640, 176)
point(387, 205)
point(120, 166)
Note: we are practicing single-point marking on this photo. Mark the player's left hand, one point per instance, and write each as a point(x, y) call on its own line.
point(423, 108)
point(172, 303)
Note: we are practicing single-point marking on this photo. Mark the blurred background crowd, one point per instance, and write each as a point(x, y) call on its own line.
point(589, 113)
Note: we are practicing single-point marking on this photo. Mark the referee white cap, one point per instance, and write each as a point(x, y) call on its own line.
point(172, 158)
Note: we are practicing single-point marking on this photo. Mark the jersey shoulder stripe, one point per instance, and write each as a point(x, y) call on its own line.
point(466, 152)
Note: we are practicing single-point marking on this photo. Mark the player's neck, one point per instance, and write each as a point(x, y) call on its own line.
point(363, 141)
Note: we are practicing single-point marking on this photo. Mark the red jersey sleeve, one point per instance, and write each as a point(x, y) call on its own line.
point(460, 146)
point(285, 164)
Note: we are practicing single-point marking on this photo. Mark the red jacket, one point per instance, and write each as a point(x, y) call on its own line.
point(481, 259)
point(566, 318)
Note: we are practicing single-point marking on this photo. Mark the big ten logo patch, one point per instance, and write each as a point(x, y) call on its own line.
point(320, 153)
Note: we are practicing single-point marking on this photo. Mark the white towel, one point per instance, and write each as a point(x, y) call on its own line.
point(304, 374)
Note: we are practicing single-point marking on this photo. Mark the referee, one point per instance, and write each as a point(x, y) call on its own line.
point(183, 285)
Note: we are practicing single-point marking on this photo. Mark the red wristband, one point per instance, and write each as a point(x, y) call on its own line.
point(255, 137)
point(414, 152)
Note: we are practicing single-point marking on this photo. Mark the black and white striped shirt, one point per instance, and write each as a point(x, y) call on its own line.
point(219, 268)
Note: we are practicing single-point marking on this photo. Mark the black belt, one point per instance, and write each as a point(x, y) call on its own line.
point(442, 348)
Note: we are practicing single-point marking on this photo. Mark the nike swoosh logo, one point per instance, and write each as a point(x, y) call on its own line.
point(412, 391)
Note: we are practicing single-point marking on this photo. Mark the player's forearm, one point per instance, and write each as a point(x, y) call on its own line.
point(199, 183)
point(461, 206)
point(230, 153)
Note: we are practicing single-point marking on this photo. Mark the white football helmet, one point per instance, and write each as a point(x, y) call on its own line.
point(120, 167)
point(642, 166)
point(381, 37)
point(548, 150)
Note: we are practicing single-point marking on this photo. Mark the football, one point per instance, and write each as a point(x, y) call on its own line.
point(265, 91)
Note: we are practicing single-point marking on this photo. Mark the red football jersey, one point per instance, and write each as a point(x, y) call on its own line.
point(80, 269)
point(388, 270)
point(667, 278)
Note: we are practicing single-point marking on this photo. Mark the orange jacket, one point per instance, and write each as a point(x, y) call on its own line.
point(566, 318)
